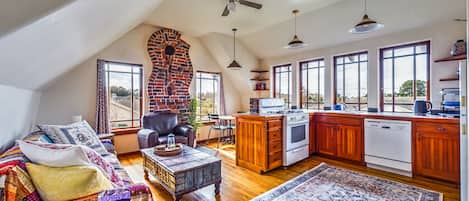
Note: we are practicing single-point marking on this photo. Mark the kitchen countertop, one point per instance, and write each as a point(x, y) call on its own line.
point(362, 113)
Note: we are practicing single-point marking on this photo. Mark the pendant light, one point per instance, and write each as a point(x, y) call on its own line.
point(234, 65)
point(366, 25)
point(295, 43)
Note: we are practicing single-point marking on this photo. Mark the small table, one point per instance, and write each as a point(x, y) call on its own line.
point(183, 173)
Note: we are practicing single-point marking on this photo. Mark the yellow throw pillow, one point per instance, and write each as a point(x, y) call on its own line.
point(67, 183)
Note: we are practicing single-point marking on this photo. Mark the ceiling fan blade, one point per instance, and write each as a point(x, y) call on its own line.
point(226, 12)
point(250, 4)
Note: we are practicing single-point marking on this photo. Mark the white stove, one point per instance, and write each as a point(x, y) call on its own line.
point(295, 129)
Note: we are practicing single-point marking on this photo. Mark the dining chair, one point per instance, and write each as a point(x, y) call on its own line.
point(218, 127)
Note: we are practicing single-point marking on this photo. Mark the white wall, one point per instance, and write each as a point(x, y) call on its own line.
point(442, 36)
point(74, 93)
point(18, 111)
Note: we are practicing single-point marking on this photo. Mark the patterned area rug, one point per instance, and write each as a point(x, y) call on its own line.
point(325, 182)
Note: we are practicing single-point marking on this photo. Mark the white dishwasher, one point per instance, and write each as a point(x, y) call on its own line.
point(388, 145)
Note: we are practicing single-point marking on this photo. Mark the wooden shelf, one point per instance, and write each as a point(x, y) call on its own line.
point(260, 79)
point(449, 79)
point(452, 58)
point(259, 71)
point(261, 89)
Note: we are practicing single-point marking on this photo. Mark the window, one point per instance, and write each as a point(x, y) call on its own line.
point(208, 93)
point(350, 73)
point(312, 84)
point(282, 83)
point(405, 73)
point(124, 83)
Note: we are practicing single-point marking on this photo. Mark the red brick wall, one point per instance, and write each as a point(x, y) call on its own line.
point(168, 86)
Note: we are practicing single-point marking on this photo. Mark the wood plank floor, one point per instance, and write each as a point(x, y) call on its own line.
point(242, 184)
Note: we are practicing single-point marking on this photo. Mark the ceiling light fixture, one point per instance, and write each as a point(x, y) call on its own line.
point(234, 65)
point(231, 5)
point(366, 25)
point(295, 43)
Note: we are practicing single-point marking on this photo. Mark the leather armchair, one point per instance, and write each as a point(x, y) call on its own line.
point(157, 126)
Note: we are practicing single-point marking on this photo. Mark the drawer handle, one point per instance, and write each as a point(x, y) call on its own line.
point(441, 129)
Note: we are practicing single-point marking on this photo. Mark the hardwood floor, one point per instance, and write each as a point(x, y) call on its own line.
point(241, 184)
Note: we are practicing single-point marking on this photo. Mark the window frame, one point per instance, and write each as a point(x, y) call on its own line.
point(300, 67)
point(198, 95)
point(108, 91)
point(290, 78)
point(334, 61)
point(427, 43)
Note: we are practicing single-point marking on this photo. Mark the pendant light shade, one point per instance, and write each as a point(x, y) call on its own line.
point(295, 43)
point(234, 65)
point(366, 25)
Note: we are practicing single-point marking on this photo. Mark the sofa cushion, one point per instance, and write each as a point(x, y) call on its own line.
point(67, 183)
point(54, 155)
point(161, 122)
point(19, 186)
point(79, 133)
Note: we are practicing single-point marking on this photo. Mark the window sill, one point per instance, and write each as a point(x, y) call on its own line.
point(125, 131)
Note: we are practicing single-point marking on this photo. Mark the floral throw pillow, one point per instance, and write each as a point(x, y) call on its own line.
point(79, 133)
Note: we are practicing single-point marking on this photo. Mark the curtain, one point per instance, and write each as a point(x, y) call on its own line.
point(102, 113)
point(222, 97)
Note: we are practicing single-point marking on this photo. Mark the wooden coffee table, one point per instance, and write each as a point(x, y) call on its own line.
point(183, 173)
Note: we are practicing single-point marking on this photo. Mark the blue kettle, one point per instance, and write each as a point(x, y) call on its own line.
point(422, 106)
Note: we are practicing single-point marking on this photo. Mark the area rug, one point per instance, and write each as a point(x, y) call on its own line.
point(326, 182)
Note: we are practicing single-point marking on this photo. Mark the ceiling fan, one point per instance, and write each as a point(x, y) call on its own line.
point(231, 6)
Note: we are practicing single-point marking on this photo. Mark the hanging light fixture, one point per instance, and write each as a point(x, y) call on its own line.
point(234, 64)
point(295, 43)
point(366, 25)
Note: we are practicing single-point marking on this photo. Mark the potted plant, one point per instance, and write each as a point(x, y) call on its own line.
point(192, 118)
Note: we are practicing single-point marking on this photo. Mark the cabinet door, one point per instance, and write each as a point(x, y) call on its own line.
point(437, 152)
point(326, 139)
point(312, 135)
point(350, 142)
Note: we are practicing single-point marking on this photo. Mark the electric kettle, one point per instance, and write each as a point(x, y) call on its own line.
point(422, 106)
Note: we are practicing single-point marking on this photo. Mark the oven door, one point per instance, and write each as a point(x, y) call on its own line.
point(297, 135)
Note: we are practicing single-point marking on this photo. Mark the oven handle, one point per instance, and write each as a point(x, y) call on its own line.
point(306, 123)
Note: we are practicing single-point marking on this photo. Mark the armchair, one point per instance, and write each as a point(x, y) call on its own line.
point(157, 126)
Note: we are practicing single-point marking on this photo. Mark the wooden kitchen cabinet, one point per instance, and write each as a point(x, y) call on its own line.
point(437, 150)
point(326, 138)
point(350, 142)
point(340, 137)
point(259, 142)
point(312, 135)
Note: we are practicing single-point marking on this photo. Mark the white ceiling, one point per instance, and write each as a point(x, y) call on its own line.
point(199, 17)
point(321, 23)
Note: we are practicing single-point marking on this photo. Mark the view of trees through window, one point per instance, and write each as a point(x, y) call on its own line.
point(208, 93)
point(405, 73)
point(124, 83)
point(312, 84)
point(282, 83)
point(350, 73)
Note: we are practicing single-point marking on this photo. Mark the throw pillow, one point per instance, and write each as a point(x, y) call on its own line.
point(77, 133)
point(63, 155)
point(54, 155)
point(67, 183)
point(18, 186)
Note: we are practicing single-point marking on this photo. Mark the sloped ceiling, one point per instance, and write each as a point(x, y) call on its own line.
point(38, 52)
point(321, 23)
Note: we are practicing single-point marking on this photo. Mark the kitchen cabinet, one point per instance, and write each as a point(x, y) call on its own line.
point(340, 137)
point(259, 142)
point(312, 135)
point(437, 150)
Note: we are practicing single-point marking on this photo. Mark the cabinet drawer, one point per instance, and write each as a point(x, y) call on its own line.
point(275, 125)
point(436, 128)
point(275, 146)
point(339, 120)
point(275, 159)
point(275, 135)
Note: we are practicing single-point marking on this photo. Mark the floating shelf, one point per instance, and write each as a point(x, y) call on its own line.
point(259, 71)
point(452, 58)
point(449, 79)
point(261, 89)
point(260, 79)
